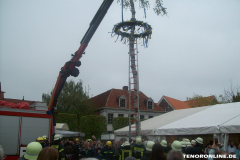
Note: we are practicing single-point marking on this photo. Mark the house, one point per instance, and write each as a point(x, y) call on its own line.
point(115, 103)
point(31, 103)
point(169, 104)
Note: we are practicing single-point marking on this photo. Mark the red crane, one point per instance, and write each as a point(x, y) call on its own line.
point(70, 67)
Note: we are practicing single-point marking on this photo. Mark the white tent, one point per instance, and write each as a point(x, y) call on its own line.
point(62, 126)
point(149, 126)
point(216, 119)
point(70, 133)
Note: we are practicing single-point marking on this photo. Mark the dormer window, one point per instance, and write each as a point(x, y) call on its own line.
point(150, 103)
point(122, 101)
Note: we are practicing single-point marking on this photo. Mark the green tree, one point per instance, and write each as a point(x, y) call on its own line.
point(93, 125)
point(198, 101)
point(72, 100)
point(231, 94)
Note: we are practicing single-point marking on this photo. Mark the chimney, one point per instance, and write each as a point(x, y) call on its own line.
point(125, 88)
point(1, 93)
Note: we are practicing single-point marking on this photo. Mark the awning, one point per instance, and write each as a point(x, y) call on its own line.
point(70, 133)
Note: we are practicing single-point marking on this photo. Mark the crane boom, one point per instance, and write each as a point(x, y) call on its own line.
point(70, 67)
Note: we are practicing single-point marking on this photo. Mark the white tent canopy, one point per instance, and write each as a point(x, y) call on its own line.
point(221, 118)
point(149, 126)
point(70, 133)
point(62, 126)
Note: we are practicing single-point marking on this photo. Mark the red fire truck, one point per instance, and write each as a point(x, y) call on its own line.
point(18, 127)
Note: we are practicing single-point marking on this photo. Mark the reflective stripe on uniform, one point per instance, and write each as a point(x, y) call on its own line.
point(138, 149)
point(61, 150)
point(55, 146)
point(126, 151)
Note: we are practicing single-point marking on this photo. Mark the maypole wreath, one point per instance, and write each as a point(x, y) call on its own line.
point(142, 30)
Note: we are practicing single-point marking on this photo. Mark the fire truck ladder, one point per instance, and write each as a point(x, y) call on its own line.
point(134, 91)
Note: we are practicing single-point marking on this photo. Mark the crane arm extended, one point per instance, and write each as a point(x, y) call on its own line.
point(70, 67)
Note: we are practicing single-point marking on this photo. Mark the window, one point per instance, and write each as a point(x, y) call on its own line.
point(120, 115)
point(141, 117)
point(131, 116)
point(150, 117)
point(150, 105)
point(122, 101)
point(167, 109)
point(109, 132)
point(110, 118)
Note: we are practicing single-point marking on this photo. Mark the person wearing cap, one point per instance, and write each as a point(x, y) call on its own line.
point(188, 144)
point(191, 151)
point(138, 149)
point(183, 146)
point(193, 143)
point(87, 151)
point(199, 144)
point(149, 146)
point(125, 150)
point(177, 146)
point(32, 151)
point(176, 152)
point(107, 152)
point(58, 146)
point(165, 147)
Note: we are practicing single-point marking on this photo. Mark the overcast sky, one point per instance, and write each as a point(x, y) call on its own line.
point(194, 49)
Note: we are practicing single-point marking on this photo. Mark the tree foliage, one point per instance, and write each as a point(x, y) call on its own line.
point(158, 8)
point(120, 122)
point(93, 125)
point(198, 101)
point(231, 94)
point(72, 100)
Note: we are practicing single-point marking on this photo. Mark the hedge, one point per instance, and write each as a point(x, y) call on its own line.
point(120, 122)
point(70, 119)
point(93, 125)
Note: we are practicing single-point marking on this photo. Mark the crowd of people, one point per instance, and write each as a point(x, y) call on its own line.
point(123, 149)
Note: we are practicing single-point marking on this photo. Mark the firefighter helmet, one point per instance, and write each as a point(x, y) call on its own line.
point(32, 150)
point(109, 143)
point(138, 140)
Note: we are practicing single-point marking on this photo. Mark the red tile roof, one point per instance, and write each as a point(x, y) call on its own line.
point(177, 104)
point(18, 101)
point(110, 99)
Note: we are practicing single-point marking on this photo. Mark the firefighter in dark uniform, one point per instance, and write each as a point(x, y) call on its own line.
point(125, 151)
point(138, 149)
point(107, 152)
point(58, 146)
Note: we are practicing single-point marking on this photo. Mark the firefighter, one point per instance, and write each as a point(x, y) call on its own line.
point(125, 150)
point(138, 149)
point(58, 146)
point(42, 141)
point(32, 151)
point(107, 152)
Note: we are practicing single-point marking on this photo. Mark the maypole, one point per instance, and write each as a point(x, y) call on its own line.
point(129, 32)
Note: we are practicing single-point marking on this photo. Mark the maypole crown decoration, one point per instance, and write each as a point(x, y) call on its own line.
point(141, 29)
